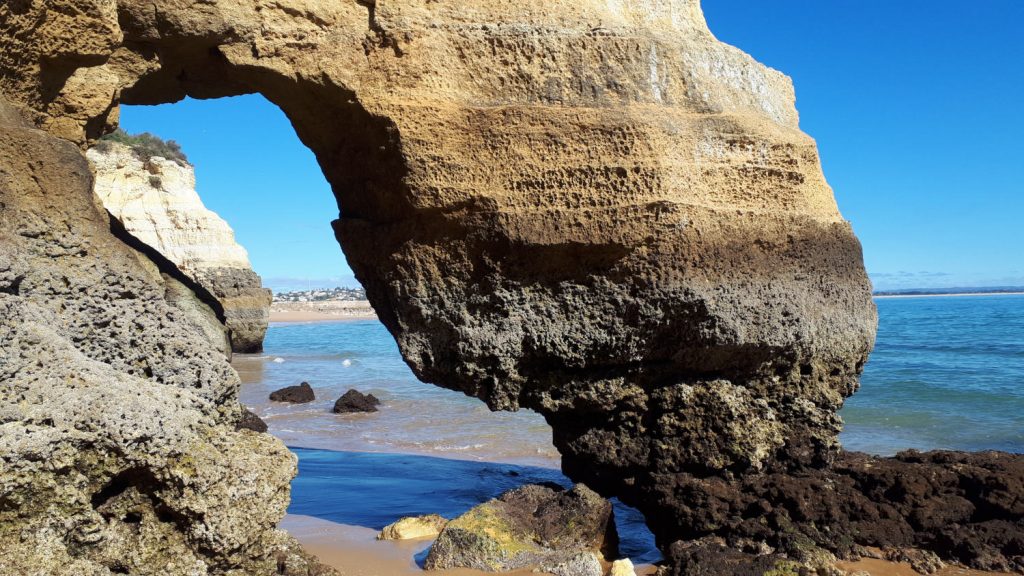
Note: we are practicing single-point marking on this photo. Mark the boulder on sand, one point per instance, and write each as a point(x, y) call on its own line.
point(536, 524)
point(413, 527)
point(356, 401)
point(623, 567)
point(301, 394)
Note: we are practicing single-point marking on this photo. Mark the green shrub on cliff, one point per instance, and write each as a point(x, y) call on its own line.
point(145, 146)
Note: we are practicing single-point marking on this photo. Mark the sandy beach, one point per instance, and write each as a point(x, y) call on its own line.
point(326, 311)
point(355, 551)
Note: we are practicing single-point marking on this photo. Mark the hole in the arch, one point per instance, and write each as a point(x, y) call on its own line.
point(428, 450)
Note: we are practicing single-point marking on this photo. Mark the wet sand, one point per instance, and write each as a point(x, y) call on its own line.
point(414, 417)
point(355, 551)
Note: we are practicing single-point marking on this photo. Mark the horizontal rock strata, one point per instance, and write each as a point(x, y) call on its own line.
point(592, 209)
point(155, 200)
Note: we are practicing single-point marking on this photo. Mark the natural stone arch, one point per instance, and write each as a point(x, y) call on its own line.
point(620, 227)
point(597, 211)
point(682, 218)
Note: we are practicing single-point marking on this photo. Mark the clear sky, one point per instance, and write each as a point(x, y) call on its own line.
point(917, 106)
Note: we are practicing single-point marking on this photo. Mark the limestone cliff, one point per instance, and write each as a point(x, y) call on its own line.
point(118, 450)
point(593, 209)
point(156, 201)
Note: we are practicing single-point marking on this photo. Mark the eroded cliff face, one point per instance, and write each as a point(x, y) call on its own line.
point(156, 201)
point(118, 451)
point(592, 209)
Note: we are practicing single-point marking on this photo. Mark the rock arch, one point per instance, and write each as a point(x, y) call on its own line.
point(596, 211)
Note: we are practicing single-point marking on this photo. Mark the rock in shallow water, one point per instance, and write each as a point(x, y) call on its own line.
point(531, 525)
point(413, 527)
point(356, 401)
point(301, 394)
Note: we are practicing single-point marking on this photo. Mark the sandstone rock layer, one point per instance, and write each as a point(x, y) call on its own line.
point(591, 209)
point(156, 201)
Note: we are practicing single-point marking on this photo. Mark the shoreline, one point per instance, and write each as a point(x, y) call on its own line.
point(951, 295)
point(351, 547)
point(350, 310)
point(355, 551)
point(326, 311)
point(542, 462)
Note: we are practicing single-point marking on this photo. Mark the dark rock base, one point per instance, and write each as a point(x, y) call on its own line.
point(301, 394)
point(967, 508)
point(356, 401)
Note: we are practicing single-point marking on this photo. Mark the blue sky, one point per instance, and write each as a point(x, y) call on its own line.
point(917, 106)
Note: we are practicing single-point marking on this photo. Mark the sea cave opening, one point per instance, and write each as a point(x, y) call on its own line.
point(427, 450)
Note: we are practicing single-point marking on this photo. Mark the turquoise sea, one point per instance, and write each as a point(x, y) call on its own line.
point(947, 372)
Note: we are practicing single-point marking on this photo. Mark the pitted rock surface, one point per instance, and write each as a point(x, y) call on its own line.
point(595, 210)
point(118, 452)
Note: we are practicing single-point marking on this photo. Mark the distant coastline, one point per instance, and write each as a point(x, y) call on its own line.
point(938, 292)
point(321, 305)
point(324, 305)
point(321, 311)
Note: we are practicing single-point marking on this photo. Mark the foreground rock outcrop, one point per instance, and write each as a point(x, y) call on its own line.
point(118, 451)
point(535, 525)
point(597, 211)
point(156, 201)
